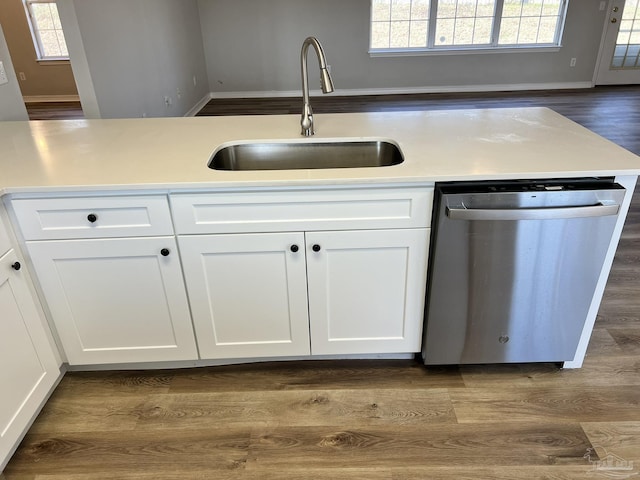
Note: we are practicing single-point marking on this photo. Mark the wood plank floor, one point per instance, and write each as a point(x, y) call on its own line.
point(374, 419)
point(54, 110)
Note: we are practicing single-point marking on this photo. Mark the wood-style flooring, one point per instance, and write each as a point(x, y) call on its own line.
point(373, 419)
point(54, 110)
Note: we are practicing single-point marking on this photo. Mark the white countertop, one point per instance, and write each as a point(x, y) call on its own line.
point(172, 153)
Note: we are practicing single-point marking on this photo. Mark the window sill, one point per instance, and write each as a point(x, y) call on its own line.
point(53, 61)
point(406, 52)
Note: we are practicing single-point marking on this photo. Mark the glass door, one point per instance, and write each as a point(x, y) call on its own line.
point(620, 52)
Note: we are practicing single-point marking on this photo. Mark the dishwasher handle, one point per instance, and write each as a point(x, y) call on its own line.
point(547, 213)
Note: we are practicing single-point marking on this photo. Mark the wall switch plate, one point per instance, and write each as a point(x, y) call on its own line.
point(572, 62)
point(3, 75)
point(603, 5)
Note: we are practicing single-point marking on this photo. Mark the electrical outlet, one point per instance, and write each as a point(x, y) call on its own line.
point(22, 76)
point(178, 93)
point(168, 101)
point(3, 75)
point(572, 63)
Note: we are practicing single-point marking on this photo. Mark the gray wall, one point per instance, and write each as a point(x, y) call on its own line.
point(254, 45)
point(140, 51)
point(11, 104)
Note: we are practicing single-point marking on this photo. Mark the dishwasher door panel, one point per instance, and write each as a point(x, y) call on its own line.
point(505, 291)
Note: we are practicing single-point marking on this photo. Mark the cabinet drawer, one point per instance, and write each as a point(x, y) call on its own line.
point(93, 217)
point(370, 208)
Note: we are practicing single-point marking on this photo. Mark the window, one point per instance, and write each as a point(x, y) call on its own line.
point(431, 25)
point(46, 29)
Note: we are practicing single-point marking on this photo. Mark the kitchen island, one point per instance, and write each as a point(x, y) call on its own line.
point(137, 192)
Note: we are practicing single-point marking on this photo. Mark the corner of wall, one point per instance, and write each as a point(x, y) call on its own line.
point(78, 57)
point(11, 104)
point(193, 111)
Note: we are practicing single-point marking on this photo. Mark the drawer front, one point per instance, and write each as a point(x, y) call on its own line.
point(93, 217)
point(302, 210)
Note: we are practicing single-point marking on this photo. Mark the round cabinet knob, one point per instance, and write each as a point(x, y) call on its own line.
point(614, 20)
point(294, 248)
point(165, 252)
point(16, 266)
point(316, 248)
point(92, 217)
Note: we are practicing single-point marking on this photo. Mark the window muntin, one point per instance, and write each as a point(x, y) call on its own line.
point(46, 29)
point(531, 22)
point(464, 22)
point(399, 23)
point(430, 25)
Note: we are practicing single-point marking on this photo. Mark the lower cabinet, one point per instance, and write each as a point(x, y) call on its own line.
point(154, 278)
point(248, 294)
point(279, 294)
point(116, 300)
point(366, 290)
point(29, 367)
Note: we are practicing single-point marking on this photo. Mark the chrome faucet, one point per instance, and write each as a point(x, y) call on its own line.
point(325, 82)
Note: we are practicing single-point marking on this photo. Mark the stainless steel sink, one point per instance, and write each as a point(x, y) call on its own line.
point(293, 156)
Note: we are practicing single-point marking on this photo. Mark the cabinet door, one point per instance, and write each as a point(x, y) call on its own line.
point(29, 368)
point(5, 243)
point(116, 300)
point(248, 294)
point(366, 290)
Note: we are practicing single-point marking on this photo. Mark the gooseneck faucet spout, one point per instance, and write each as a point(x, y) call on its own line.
point(325, 81)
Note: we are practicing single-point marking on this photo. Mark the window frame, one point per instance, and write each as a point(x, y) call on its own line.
point(35, 33)
point(464, 49)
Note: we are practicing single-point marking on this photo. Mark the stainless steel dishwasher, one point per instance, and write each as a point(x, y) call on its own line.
point(513, 268)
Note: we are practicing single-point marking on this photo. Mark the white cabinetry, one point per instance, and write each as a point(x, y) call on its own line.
point(248, 294)
point(269, 273)
point(353, 272)
point(29, 368)
point(5, 243)
point(93, 217)
point(113, 300)
point(366, 290)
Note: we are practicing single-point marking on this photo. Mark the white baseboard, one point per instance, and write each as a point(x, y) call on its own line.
point(50, 98)
point(409, 90)
point(198, 106)
point(235, 361)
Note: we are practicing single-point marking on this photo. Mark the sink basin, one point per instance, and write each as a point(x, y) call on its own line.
point(293, 156)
